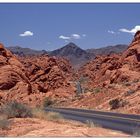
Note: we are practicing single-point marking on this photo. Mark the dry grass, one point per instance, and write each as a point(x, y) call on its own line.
point(91, 124)
point(39, 113)
point(53, 116)
point(136, 131)
point(42, 114)
point(14, 109)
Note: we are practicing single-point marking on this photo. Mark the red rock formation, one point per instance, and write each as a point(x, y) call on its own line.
point(13, 80)
point(47, 73)
point(115, 68)
point(28, 79)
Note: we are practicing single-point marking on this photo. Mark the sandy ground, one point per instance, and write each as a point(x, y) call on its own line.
point(32, 127)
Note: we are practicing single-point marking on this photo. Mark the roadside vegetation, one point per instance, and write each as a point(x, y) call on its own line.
point(91, 124)
point(47, 102)
point(15, 109)
point(42, 114)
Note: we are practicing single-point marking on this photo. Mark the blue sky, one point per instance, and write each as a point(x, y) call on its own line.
point(51, 26)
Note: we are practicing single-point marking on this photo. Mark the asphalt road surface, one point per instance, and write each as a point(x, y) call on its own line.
point(127, 123)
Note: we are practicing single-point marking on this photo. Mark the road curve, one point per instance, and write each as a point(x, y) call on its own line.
point(127, 123)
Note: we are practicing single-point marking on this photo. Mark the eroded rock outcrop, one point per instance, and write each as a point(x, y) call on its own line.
point(114, 68)
point(29, 79)
point(13, 79)
point(47, 73)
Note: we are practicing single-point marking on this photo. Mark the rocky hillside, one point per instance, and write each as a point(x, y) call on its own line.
point(14, 82)
point(29, 79)
point(115, 68)
point(47, 73)
point(113, 82)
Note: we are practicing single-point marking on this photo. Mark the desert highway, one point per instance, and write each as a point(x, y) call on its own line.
point(116, 121)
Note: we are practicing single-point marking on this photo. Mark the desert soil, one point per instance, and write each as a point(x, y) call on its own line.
point(32, 127)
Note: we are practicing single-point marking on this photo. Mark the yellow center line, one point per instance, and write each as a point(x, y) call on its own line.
point(92, 114)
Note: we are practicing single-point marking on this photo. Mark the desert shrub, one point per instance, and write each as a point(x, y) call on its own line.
point(89, 90)
point(47, 102)
point(42, 114)
point(136, 131)
point(54, 116)
point(90, 123)
point(83, 79)
point(39, 113)
point(131, 83)
point(129, 92)
point(127, 84)
point(94, 90)
point(4, 123)
point(116, 103)
point(14, 109)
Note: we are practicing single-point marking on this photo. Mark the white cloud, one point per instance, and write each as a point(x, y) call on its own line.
point(26, 33)
point(64, 37)
point(75, 36)
point(72, 36)
point(132, 31)
point(111, 32)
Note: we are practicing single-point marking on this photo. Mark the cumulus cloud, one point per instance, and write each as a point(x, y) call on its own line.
point(72, 36)
point(75, 36)
point(26, 33)
point(111, 32)
point(131, 31)
point(64, 37)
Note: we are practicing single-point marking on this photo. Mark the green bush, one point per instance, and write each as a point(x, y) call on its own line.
point(47, 102)
point(14, 109)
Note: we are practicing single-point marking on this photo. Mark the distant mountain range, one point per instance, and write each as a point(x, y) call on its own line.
point(72, 52)
point(108, 50)
point(25, 51)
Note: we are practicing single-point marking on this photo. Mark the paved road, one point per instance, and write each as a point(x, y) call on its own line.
point(123, 122)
